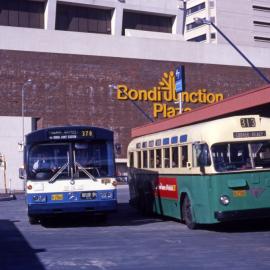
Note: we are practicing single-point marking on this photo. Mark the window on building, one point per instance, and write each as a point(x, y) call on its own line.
point(266, 39)
point(211, 4)
point(196, 8)
point(147, 22)
point(213, 35)
point(22, 13)
point(198, 38)
point(262, 8)
point(194, 24)
point(213, 19)
point(83, 19)
point(259, 23)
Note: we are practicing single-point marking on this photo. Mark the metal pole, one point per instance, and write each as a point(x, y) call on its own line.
point(235, 47)
point(136, 105)
point(242, 54)
point(29, 81)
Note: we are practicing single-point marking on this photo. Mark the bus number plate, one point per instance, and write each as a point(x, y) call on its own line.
point(57, 197)
point(239, 193)
point(90, 195)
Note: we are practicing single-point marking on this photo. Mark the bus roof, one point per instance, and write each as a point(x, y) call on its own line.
point(68, 133)
point(227, 129)
point(244, 103)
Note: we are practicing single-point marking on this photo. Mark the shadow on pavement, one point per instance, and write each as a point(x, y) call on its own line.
point(125, 216)
point(242, 226)
point(16, 253)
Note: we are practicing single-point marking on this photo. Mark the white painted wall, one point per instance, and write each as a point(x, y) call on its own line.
point(36, 40)
point(10, 136)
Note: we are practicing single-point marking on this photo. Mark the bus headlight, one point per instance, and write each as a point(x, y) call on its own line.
point(224, 199)
point(39, 198)
point(108, 195)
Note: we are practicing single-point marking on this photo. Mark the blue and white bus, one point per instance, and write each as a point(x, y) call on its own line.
point(69, 170)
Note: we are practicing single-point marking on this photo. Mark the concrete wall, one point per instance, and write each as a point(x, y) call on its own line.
point(10, 136)
point(35, 40)
point(235, 19)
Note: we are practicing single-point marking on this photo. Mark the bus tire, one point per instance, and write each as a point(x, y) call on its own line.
point(187, 214)
point(33, 220)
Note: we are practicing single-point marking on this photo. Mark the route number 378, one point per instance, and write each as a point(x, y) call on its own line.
point(87, 133)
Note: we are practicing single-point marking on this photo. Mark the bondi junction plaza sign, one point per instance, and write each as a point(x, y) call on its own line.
point(166, 92)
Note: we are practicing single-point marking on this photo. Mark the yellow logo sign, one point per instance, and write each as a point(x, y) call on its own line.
point(165, 91)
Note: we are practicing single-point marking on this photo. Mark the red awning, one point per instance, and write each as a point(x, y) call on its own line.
point(229, 106)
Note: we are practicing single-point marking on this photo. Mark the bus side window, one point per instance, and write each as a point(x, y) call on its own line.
point(175, 160)
point(158, 158)
point(184, 155)
point(131, 159)
point(151, 159)
point(166, 157)
point(145, 159)
point(201, 155)
point(139, 161)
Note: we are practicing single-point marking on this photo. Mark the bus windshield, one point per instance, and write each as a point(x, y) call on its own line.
point(70, 160)
point(91, 160)
point(241, 155)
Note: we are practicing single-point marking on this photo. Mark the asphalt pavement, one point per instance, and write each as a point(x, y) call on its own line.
point(128, 241)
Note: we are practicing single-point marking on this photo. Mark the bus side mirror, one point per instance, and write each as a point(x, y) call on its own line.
point(22, 173)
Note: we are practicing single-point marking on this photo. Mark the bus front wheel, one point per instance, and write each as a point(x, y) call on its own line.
point(187, 214)
point(33, 220)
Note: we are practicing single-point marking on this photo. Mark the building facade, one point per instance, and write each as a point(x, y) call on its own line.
point(77, 54)
point(245, 22)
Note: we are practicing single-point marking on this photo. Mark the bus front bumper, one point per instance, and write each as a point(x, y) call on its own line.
point(67, 208)
point(242, 214)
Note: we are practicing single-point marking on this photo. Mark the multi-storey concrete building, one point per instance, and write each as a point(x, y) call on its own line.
point(245, 22)
point(75, 50)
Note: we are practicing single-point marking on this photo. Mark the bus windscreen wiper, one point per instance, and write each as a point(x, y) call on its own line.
point(80, 167)
point(53, 178)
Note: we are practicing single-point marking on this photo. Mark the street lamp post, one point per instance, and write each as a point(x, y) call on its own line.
point(208, 22)
point(28, 82)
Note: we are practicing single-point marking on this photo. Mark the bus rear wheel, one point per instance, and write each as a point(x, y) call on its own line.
point(187, 214)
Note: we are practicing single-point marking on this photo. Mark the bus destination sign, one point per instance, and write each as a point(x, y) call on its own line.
point(69, 134)
point(248, 134)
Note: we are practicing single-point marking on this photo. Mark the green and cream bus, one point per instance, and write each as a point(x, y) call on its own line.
point(204, 173)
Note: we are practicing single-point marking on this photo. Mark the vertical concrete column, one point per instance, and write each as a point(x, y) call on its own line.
point(117, 20)
point(178, 23)
point(50, 15)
